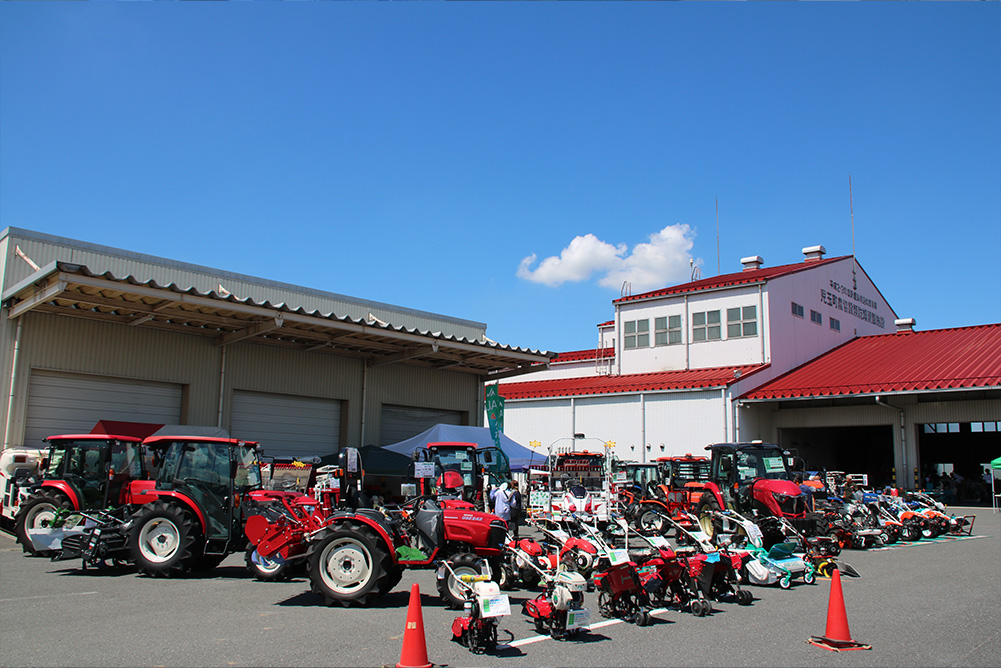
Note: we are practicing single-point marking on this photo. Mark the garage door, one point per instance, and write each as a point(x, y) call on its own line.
point(65, 403)
point(287, 425)
point(398, 423)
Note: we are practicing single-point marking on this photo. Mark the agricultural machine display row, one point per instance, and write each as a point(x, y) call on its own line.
point(174, 504)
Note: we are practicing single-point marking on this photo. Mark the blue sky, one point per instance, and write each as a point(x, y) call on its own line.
point(515, 163)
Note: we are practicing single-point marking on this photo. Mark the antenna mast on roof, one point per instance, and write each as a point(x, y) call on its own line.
point(851, 207)
point(717, 237)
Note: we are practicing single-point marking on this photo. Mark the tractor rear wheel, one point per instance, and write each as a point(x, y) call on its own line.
point(452, 593)
point(36, 514)
point(707, 506)
point(165, 540)
point(349, 565)
point(651, 520)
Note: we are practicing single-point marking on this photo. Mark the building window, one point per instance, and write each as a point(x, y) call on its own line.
point(741, 322)
point(667, 330)
point(816, 317)
point(706, 326)
point(797, 310)
point(636, 334)
point(835, 324)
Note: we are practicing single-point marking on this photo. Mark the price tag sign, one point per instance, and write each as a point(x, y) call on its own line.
point(424, 469)
point(495, 606)
point(578, 618)
point(616, 557)
point(754, 533)
point(659, 541)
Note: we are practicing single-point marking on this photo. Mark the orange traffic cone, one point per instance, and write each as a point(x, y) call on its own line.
point(414, 653)
point(836, 637)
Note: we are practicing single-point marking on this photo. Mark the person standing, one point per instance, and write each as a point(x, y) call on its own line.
point(515, 509)
point(502, 503)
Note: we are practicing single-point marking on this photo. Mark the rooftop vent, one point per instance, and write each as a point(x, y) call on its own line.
point(904, 324)
point(752, 263)
point(813, 253)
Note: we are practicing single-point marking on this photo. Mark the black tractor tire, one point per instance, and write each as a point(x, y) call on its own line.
point(706, 506)
point(530, 578)
point(395, 575)
point(166, 540)
point(36, 514)
point(267, 570)
point(452, 593)
point(651, 520)
point(351, 565)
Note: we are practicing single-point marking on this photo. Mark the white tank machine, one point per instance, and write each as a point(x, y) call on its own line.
point(17, 464)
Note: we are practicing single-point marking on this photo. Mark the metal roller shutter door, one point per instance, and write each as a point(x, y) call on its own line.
point(398, 423)
point(287, 425)
point(66, 403)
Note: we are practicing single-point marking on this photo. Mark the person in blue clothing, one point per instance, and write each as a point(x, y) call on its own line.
point(805, 490)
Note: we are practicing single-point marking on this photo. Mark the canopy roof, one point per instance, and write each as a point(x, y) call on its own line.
point(519, 456)
point(72, 289)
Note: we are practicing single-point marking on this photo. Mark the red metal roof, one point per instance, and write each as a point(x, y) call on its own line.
point(942, 359)
point(582, 355)
point(636, 382)
point(726, 280)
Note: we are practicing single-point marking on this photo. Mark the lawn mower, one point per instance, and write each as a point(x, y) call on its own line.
point(935, 511)
point(776, 565)
point(484, 604)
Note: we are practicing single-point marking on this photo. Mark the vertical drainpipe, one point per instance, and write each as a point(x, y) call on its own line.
point(222, 384)
point(13, 377)
point(687, 334)
point(761, 321)
point(573, 417)
point(726, 419)
point(643, 424)
point(364, 397)
point(902, 472)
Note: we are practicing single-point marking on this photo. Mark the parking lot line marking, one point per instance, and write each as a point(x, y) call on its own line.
point(36, 598)
point(596, 625)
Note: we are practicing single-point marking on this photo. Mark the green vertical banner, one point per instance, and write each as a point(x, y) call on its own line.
point(495, 413)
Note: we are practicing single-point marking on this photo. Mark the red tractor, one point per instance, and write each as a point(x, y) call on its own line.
point(83, 472)
point(752, 479)
point(189, 518)
point(356, 553)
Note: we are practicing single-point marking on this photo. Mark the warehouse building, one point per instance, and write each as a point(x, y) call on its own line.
point(90, 333)
point(688, 365)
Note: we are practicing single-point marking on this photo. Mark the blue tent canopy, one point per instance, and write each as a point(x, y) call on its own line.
point(519, 456)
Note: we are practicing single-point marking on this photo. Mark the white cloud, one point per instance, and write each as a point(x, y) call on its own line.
point(583, 257)
point(661, 262)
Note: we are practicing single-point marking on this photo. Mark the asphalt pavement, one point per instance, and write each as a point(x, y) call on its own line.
point(930, 603)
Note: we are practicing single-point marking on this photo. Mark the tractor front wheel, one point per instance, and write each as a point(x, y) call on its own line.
point(37, 514)
point(165, 540)
point(266, 569)
point(651, 520)
point(708, 505)
point(350, 564)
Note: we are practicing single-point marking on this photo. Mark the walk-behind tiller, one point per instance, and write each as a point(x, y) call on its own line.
point(663, 575)
point(476, 629)
point(559, 610)
point(620, 593)
point(715, 569)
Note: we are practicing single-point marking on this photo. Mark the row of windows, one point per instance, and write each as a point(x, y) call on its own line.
point(741, 322)
point(953, 427)
point(815, 316)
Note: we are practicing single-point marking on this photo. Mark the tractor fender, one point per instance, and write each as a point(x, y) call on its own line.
point(339, 519)
point(63, 487)
point(181, 499)
point(713, 488)
point(135, 492)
